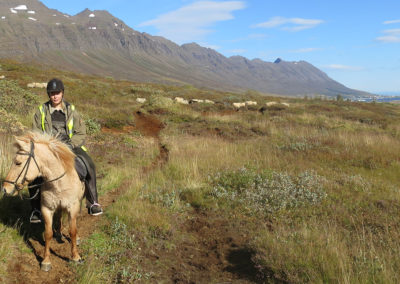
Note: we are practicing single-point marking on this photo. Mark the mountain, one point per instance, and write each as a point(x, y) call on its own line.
point(96, 42)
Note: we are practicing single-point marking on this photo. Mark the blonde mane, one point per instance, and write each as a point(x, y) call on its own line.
point(58, 148)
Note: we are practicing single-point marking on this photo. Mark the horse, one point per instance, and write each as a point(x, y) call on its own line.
point(43, 155)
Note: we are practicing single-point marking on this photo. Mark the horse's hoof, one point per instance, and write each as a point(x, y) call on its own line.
point(45, 266)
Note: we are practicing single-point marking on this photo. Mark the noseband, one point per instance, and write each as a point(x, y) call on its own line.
point(18, 188)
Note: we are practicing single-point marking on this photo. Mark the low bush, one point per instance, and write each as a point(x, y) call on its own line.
point(15, 99)
point(267, 192)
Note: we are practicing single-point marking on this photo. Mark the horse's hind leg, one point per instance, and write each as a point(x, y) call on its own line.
point(73, 232)
point(48, 235)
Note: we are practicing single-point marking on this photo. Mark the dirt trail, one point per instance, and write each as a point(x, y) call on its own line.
point(26, 268)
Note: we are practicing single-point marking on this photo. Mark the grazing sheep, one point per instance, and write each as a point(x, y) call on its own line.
point(285, 104)
point(141, 100)
point(239, 105)
point(2, 77)
point(181, 100)
point(250, 103)
point(37, 85)
point(268, 104)
point(192, 101)
point(209, 102)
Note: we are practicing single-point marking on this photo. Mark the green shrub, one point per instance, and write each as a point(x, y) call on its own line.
point(9, 123)
point(92, 126)
point(267, 192)
point(15, 99)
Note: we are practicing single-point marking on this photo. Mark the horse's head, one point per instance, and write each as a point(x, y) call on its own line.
point(24, 168)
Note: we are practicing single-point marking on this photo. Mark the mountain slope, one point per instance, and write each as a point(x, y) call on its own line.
point(96, 42)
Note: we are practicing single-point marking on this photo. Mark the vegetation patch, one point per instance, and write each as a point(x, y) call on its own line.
point(15, 99)
point(269, 191)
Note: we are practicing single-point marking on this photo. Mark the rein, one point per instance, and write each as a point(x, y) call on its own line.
point(31, 155)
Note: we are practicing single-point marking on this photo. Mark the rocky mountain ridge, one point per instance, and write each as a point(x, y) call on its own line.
point(96, 42)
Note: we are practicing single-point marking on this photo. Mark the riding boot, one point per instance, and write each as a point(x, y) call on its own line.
point(34, 189)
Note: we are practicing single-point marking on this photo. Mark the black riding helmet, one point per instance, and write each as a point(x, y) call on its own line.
point(55, 86)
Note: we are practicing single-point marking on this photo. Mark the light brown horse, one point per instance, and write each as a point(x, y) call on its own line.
point(41, 155)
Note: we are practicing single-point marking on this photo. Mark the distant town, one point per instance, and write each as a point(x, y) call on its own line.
point(377, 98)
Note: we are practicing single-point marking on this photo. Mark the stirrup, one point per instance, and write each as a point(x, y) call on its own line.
point(95, 209)
point(36, 217)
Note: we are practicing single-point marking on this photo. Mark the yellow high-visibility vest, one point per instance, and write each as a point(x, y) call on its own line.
point(70, 125)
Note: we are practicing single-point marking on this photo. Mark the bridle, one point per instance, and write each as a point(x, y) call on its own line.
point(24, 171)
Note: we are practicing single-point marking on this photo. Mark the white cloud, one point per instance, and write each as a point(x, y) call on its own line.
point(304, 50)
point(391, 36)
point(289, 24)
point(192, 22)
point(343, 67)
point(388, 38)
point(391, 22)
point(392, 31)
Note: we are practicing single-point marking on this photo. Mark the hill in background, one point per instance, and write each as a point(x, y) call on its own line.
point(96, 42)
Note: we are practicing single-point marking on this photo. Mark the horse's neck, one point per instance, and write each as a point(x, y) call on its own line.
point(50, 167)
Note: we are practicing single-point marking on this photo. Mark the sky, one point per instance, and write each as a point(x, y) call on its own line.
point(356, 42)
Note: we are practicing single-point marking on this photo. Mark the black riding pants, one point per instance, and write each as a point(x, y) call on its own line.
point(90, 181)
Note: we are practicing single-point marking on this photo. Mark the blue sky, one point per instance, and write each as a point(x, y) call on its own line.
point(355, 42)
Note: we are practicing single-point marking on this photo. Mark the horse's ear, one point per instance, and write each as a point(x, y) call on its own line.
point(22, 144)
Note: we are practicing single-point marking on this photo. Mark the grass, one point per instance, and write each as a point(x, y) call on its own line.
point(314, 187)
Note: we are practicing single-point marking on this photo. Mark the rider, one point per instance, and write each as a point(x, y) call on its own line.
point(59, 118)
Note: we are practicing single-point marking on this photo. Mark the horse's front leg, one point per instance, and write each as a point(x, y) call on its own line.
point(73, 232)
point(48, 235)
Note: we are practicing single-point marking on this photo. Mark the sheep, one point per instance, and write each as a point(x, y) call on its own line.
point(209, 102)
point(2, 77)
point(239, 105)
point(195, 101)
point(37, 85)
point(141, 100)
point(181, 100)
point(250, 103)
point(268, 104)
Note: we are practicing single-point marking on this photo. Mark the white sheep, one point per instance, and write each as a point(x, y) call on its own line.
point(181, 100)
point(239, 105)
point(268, 104)
point(141, 100)
point(37, 85)
point(196, 101)
point(250, 103)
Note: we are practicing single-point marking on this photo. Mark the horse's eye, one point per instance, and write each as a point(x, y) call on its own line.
point(18, 163)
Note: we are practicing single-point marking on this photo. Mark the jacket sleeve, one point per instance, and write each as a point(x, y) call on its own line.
point(79, 137)
point(37, 121)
